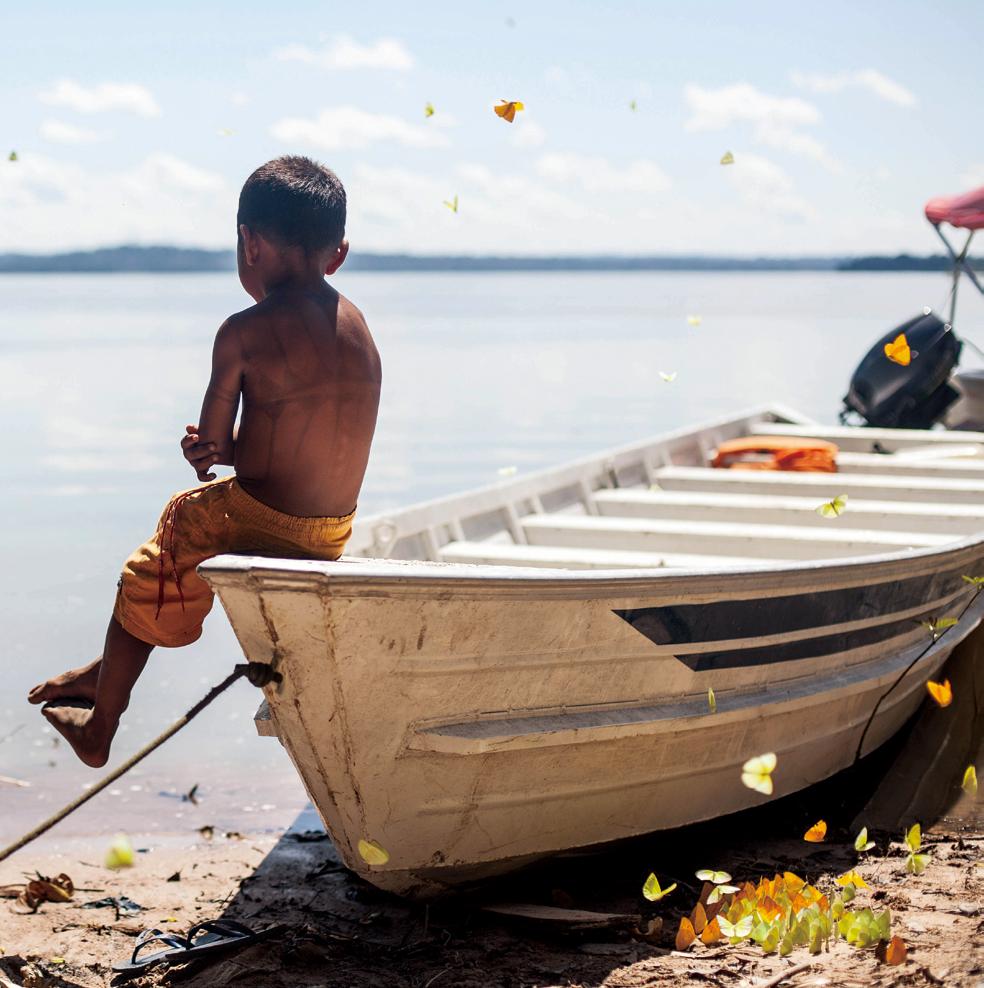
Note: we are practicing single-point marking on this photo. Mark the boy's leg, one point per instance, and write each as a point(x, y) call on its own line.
point(90, 731)
point(76, 683)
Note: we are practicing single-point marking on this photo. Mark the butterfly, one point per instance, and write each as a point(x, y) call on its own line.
point(428, 109)
point(693, 320)
point(942, 693)
point(756, 773)
point(898, 351)
point(225, 132)
point(715, 877)
point(668, 378)
point(120, 853)
point(721, 890)
point(861, 842)
point(816, 833)
point(892, 953)
point(507, 109)
point(507, 471)
point(12, 156)
point(969, 784)
point(652, 891)
point(974, 581)
point(936, 627)
point(633, 106)
point(727, 158)
point(452, 204)
point(685, 935)
point(712, 703)
point(373, 853)
point(851, 878)
point(833, 508)
point(915, 863)
point(736, 931)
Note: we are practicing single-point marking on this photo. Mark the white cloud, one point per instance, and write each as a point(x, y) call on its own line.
point(775, 120)
point(597, 174)
point(715, 109)
point(870, 79)
point(59, 132)
point(346, 53)
point(104, 96)
point(51, 205)
point(349, 128)
point(528, 133)
point(763, 184)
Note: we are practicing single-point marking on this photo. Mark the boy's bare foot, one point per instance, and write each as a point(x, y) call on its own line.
point(89, 739)
point(79, 682)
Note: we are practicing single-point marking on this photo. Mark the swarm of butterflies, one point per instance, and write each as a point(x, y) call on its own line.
point(506, 109)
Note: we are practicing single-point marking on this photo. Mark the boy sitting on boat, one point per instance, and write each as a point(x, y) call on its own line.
point(305, 367)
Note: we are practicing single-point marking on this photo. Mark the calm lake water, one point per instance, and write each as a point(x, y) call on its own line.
point(100, 373)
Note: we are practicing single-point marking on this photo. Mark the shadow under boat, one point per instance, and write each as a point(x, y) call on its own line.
point(335, 921)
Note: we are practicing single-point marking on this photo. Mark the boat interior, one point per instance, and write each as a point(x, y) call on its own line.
point(663, 504)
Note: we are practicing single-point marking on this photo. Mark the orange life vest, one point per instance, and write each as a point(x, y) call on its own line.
point(776, 453)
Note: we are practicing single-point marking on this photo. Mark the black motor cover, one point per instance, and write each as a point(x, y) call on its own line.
point(887, 395)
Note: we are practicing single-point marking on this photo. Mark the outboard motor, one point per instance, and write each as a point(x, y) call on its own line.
point(917, 396)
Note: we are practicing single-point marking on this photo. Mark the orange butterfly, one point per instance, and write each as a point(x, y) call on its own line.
point(507, 109)
point(942, 693)
point(685, 935)
point(898, 351)
point(816, 833)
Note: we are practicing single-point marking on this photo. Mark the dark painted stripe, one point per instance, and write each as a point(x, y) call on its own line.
point(684, 624)
point(806, 648)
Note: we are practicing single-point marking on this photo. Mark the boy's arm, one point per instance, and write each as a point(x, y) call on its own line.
point(218, 417)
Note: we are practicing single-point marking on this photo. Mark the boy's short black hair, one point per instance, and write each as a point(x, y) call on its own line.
point(296, 202)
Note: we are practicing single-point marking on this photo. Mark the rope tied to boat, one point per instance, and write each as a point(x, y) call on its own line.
point(259, 674)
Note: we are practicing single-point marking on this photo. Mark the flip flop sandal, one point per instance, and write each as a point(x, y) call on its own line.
point(214, 936)
point(139, 960)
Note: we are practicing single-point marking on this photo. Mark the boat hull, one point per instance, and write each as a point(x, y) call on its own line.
point(471, 718)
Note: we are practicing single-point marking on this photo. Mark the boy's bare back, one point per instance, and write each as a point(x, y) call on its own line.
point(309, 375)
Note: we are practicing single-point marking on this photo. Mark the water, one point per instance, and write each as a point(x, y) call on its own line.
point(100, 373)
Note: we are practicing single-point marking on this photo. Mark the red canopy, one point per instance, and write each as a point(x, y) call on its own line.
point(966, 210)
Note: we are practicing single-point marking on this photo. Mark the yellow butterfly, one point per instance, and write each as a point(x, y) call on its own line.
point(833, 508)
point(816, 833)
point(942, 693)
point(898, 351)
point(428, 109)
point(668, 378)
point(851, 878)
point(969, 784)
point(936, 628)
point(633, 106)
point(736, 931)
point(727, 158)
point(756, 773)
point(120, 853)
point(693, 320)
point(452, 204)
point(373, 853)
point(507, 109)
point(507, 471)
point(12, 156)
point(653, 892)
point(974, 581)
point(225, 132)
point(712, 876)
point(712, 703)
point(861, 842)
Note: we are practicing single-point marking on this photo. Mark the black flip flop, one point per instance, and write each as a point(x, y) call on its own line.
point(139, 961)
point(215, 935)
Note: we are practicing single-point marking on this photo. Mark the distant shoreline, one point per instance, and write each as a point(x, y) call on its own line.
point(185, 260)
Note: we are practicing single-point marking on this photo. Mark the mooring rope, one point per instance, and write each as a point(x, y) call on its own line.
point(258, 673)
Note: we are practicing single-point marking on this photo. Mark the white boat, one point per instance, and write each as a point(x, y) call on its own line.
point(522, 669)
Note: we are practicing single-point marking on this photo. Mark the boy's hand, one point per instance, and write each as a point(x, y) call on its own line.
point(200, 455)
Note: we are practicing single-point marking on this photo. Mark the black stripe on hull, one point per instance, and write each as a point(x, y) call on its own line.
point(686, 624)
point(805, 648)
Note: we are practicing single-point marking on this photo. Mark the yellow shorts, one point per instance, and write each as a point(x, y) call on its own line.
point(161, 598)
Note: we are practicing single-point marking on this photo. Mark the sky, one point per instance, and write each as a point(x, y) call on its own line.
point(138, 123)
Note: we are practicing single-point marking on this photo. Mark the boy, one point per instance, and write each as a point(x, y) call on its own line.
point(309, 376)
